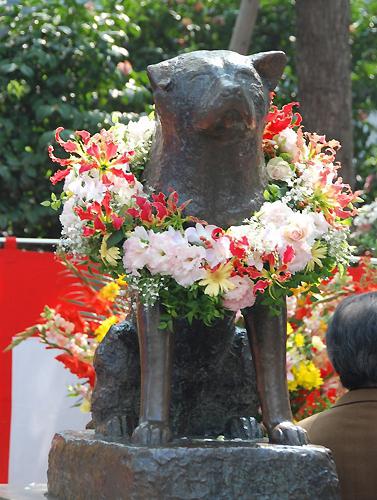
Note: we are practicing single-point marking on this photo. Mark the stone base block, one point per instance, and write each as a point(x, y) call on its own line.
point(85, 467)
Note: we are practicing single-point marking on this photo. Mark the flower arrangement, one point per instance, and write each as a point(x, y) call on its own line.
point(78, 324)
point(312, 382)
point(198, 270)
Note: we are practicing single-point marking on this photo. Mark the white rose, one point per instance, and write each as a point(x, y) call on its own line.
point(275, 213)
point(279, 170)
point(287, 141)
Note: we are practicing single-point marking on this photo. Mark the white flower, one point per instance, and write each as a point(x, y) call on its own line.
point(139, 132)
point(317, 343)
point(241, 296)
point(199, 234)
point(72, 238)
point(299, 229)
point(189, 267)
point(217, 250)
point(167, 253)
point(123, 190)
point(287, 141)
point(278, 169)
point(275, 213)
point(239, 232)
point(136, 250)
point(302, 256)
point(321, 226)
point(86, 186)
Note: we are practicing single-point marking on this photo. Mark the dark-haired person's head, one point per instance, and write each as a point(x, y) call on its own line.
point(352, 341)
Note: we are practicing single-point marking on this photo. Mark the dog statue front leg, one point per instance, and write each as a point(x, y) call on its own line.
point(155, 363)
point(267, 337)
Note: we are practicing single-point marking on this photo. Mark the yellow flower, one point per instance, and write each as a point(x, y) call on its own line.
point(109, 255)
point(319, 252)
point(110, 291)
point(306, 375)
point(304, 287)
point(85, 406)
point(289, 329)
point(299, 339)
point(218, 281)
point(104, 327)
point(121, 281)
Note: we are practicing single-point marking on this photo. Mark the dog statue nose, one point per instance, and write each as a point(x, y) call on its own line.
point(231, 90)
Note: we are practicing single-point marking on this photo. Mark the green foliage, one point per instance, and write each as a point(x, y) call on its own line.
point(58, 66)
point(190, 303)
point(364, 85)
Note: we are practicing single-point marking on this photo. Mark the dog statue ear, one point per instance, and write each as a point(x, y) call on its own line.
point(270, 66)
point(160, 75)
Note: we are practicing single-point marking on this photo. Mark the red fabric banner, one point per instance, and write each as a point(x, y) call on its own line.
point(28, 281)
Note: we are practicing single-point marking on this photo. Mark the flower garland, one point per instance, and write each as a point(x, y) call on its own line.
point(197, 270)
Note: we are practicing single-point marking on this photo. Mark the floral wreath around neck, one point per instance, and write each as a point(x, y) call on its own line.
point(199, 272)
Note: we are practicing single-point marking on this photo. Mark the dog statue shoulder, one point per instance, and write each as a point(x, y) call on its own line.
point(210, 110)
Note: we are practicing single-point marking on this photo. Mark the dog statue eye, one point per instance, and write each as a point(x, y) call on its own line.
point(244, 73)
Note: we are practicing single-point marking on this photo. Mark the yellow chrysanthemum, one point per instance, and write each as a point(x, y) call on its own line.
point(299, 339)
point(319, 252)
point(306, 375)
point(289, 329)
point(104, 327)
point(218, 281)
point(109, 255)
point(110, 291)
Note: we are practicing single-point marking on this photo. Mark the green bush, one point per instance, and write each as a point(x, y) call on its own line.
point(58, 66)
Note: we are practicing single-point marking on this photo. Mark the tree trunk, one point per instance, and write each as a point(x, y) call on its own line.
point(244, 26)
point(324, 73)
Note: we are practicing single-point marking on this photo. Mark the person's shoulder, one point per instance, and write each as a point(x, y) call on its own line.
point(309, 422)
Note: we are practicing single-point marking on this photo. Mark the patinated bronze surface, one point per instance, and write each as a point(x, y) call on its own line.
point(82, 467)
point(213, 383)
point(210, 110)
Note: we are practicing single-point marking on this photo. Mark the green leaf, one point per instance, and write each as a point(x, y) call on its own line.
point(26, 70)
point(115, 238)
point(8, 68)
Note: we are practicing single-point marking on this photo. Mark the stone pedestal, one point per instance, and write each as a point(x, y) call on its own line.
point(83, 467)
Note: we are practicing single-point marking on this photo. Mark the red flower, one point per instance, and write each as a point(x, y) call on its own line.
point(78, 367)
point(278, 120)
point(58, 176)
point(289, 255)
point(69, 146)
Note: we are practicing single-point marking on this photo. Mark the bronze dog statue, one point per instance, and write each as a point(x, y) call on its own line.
point(210, 109)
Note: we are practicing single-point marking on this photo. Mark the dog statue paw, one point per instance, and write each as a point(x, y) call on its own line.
point(288, 433)
point(151, 434)
point(244, 428)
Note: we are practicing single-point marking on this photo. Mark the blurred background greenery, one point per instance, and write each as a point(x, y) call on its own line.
point(73, 63)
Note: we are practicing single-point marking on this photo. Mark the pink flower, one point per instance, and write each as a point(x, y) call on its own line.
point(241, 296)
point(136, 251)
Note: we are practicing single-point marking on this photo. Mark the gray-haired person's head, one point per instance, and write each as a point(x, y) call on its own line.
point(352, 341)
